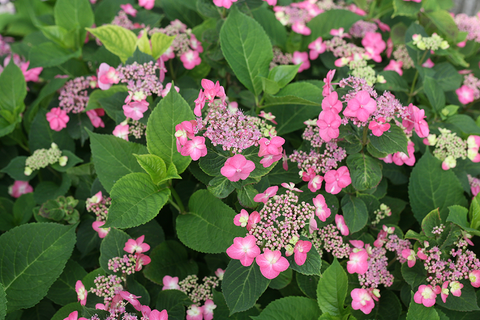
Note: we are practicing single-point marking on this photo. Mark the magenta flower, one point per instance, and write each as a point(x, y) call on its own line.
point(199, 104)
point(211, 89)
point(416, 120)
point(327, 87)
point(425, 295)
point(361, 106)
point(301, 249)
point(19, 187)
point(195, 312)
point(129, 9)
point(474, 277)
point(94, 116)
point(316, 47)
point(271, 263)
point(362, 300)
point(74, 316)
point(158, 315)
point(428, 64)
point(208, 308)
point(395, 66)
point(315, 183)
point(121, 131)
point(32, 74)
point(244, 249)
point(374, 45)
point(241, 219)
point(329, 123)
point(57, 119)
point(170, 283)
point(336, 180)
point(224, 3)
point(340, 222)
point(147, 4)
point(195, 148)
point(132, 299)
point(331, 103)
point(183, 132)
point(190, 59)
point(400, 158)
point(322, 211)
point(358, 261)
point(465, 94)
point(263, 197)
point(107, 76)
point(237, 168)
point(273, 147)
point(378, 128)
point(134, 246)
point(410, 255)
point(135, 109)
point(81, 292)
point(142, 260)
point(102, 233)
point(302, 59)
point(253, 220)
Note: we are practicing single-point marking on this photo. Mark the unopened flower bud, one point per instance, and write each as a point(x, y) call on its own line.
point(63, 161)
point(444, 45)
point(28, 171)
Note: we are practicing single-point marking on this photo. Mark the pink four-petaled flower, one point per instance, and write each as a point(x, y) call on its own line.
point(322, 211)
point(195, 148)
point(361, 106)
point(244, 249)
point(425, 295)
point(237, 167)
point(136, 246)
point(263, 197)
point(362, 300)
point(336, 180)
point(57, 119)
point(271, 263)
point(301, 249)
point(81, 292)
point(170, 283)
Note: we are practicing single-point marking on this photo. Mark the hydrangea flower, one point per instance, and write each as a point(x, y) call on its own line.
point(237, 168)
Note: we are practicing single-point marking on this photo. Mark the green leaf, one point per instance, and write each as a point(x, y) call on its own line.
point(308, 285)
point(47, 190)
point(153, 165)
point(182, 10)
point(355, 213)
point(3, 302)
point(62, 291)
point(415, 275)
point(71, 162)
point(447, 76)
point(311, 266)
point(474, 213)
point(97, 94)
point(60, 36)
point(405, 8)
point(391, 141)
point(74, 14)
point(466, 302)
point(174, 301)
point(458, 215)
point(283, 74)
point(23, 209)
point(394, 82)
point(434, 92)
point(242, 286)
point(269, 86)
point(418, 311)
point(49, 54)
point(332, 19)
point(282, 280)
point(160, 43)
point(143, 44)
point(6, 218)
point(161, 141)
point(13, 90)
point(431, 221)
point(41, 136)
point(432, 187)
point(220, 187)
point(32, 257)
point(365, 171)
point(112, 246)
point(169, 258)
point(247, 49)
point(274, 29)
point(135, 201)
point(208, 227)
point(16, 169)
point(464, 124)
point(444, 23)
point(246, 195)
point(151, 230)
point(113, 158)
point(119, 41)
point(290, 308)
point(332, 289)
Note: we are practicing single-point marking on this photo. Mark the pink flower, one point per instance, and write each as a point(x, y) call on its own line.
point(444, 292)
point(94, 116)
point(18, 188)
point(362, 300)
point(271, 147)
point(224, 3)
point(244, 249)
point(384, 27)
point(263, 197)
point(417, 1)
point(135, 109)
point(208, 308)
point(241, 219)
point(219, 273)
point(121, 131)
point(336, 180)
point(395, 66)
point(409, 254)
point(253, 220)
point(425, 296)
point(312, 225)
point(157, 315)
point(428, 64)
point(271, 2)
point(374, 45)
point(195, 44)
point(102, 233)
point(358, 261)
point(329, 123)
point(416, 120)
point(300, 28)
point(465, 94)
point(81, 292)
point(340, 33)
point(290, 186)
point(199, 104)
point(267, 116)
point(32, 74)
point(361, 106)
point(195, 312)
point(473, 143)
point(134, 246)
point(132, 299)
point(378, 128)
point(400, 158)
point(322, 211)
point(190, 59)
point(302, 59)
point(389, 47)
point(327, 87)
point(474, 277)
point(74, 316)
point(170, 283)
point(167, 88)
point(316, 47)
point(57, 118)
point(107, 76)
point(269, 159)
point(142, 260)
point(421, 255)
point(315, 183)
point(195, 148)
point(129, 9)
point(456, 288)
point(183, 132)
point(271, 263)
point(340, 222)
point(211, 89)
point(237, 167)
point(147, 4)
point(301, 249)
point(331, 103)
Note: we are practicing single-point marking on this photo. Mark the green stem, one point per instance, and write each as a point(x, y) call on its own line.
point(365, 136)
point(412, 88)
point(179, 204)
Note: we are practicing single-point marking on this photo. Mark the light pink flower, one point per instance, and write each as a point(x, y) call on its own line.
point(81, 292)
point(195, 44)
point(290, 186)
point(134, 246)
point(147, 4)
point(170, 283)
point(135, 109)
point(271, 263)
point(378, 128)
point(327, 87)
point(315, 183)
point(190, 59)
point(395, 66)
point(269, 159)
point(340, 33)
point(18, 188)
point(474, 277)
point(416, 120)
point(302, 59)
point(237, 167)
point(425, 296)
point(312, 225)
point(129, 9)
point(336, 180)
point(224, 3)
point(410, 255)
point(444, 292)
point(273, 147)
point(374, 45)
point(358, 261)
point(428, 64)
point(244, 249)
point(362, 300)
point(107, 76)
point(208, 308)
point(361, 106)
point(167, 88)
point(253, 220)
point(456, 288)
point(300, 28)
point(417, 1)
point(211, 89)
point(241, 219)
point(421, 255)
point(316, 47)
point(263, 197)
point(74, 316)
point(121, 131)
point(132, 299)
point(57, 119)
point(271, 2)
point(94, 116)
point(322, 211)
point(219, 273)
point(329, 123)
point(195, 312)
point(158, 315)
point(340, 222)
point(400, 158)
point(102, 232)
point(195, 148)
point(465, 94)
point(473, 143)
point(199, 104)
point(331, 103)
point(183, 132)
point(142, 260)
point(389, 47)
point(301, 249)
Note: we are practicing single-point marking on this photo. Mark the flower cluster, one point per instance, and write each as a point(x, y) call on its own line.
point(474, 184)
point(42, 158)
point(471, 25)
point(98, 204)
point(381, 213)
point(134, 260)
point(434, 42)
point(449, 147)
point(470, 90)
point(185, 45)
point(29, 74)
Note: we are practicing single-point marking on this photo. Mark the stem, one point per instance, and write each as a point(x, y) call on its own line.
point(412, 88)
point(170, 64)
point(365, 135)
point(179, 204)
point(391, 262)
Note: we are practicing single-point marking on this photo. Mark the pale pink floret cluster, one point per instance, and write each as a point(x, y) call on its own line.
point(470, 89)
point(74, 94)
point(471, 25)
point(134, 260)
point(99, 205)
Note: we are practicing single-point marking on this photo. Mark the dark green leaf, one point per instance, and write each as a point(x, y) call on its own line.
point(112, 246)
point(62, 291)
point(434, 92)
point(290, 308)
point(391, 141)
point(394, 82)
point(355, 213)
point(365, 171)
point(332, 290)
